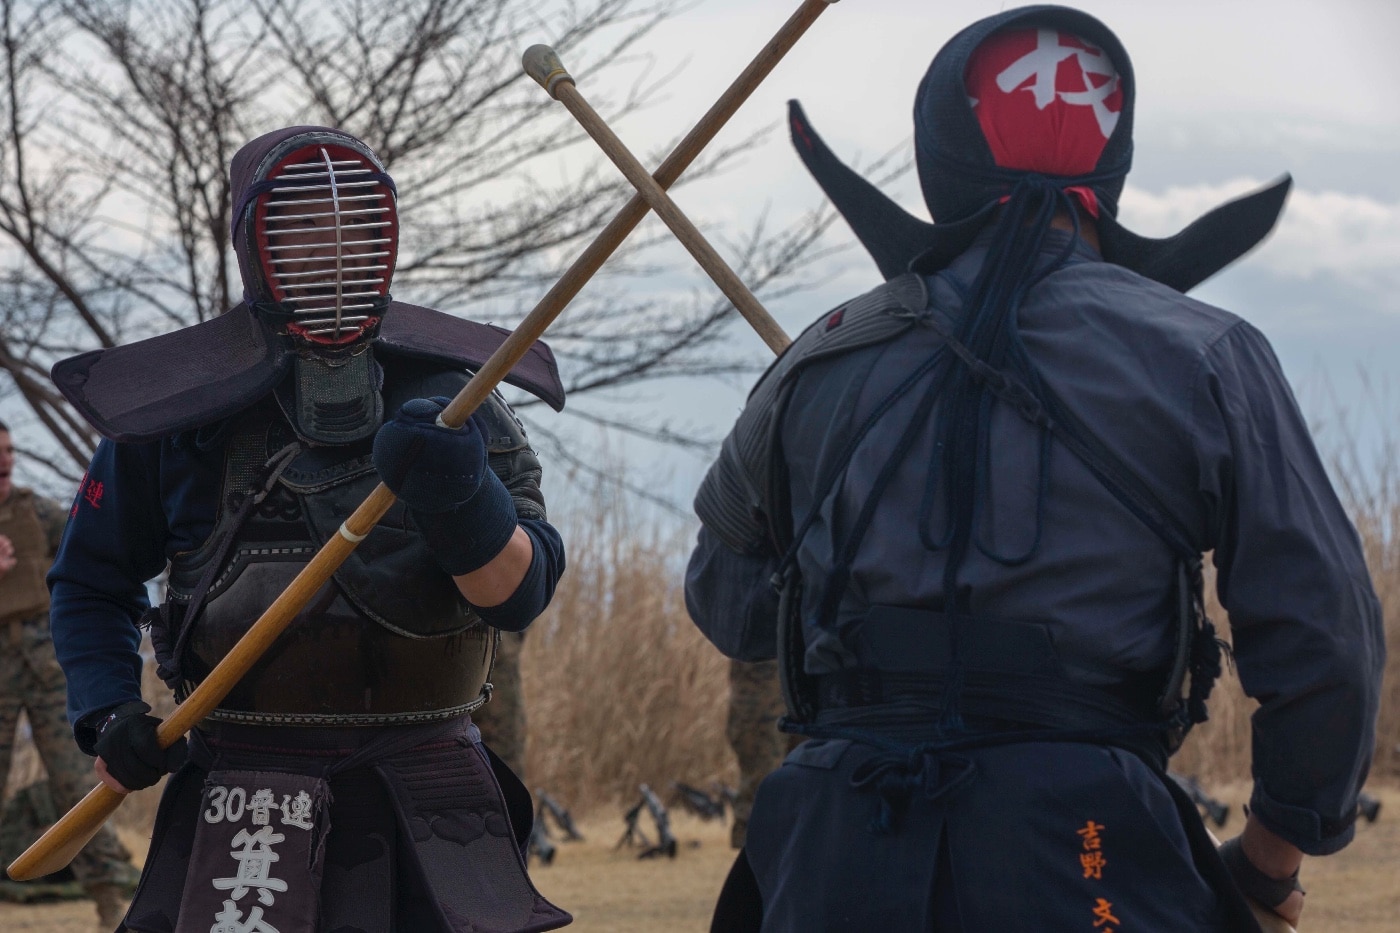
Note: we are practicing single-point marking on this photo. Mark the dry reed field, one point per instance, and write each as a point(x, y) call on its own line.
point(622, 689)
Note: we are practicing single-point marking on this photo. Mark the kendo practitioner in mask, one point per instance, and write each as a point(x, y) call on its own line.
point(968, 510)
point(341, 785)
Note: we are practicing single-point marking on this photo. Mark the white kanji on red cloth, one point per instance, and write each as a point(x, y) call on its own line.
point(1041, 67)
point(255, 862)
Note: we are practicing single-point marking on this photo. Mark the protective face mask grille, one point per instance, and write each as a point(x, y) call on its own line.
point(327, 238)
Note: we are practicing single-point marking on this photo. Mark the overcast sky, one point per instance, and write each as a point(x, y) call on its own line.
point(1230, 95)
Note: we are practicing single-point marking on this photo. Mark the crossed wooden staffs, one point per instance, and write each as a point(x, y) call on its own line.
point(57, 847)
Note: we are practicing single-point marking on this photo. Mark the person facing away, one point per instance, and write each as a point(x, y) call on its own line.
point(341, 784)
point(967, 512)
point(31, 680)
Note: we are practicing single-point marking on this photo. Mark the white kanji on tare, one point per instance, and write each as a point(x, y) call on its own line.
point(1043, 64)
point(297, 812)
point(254, 866)
point(230, 920)
point(260, 805)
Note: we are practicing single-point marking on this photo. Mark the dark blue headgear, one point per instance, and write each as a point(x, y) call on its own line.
point(962, 183)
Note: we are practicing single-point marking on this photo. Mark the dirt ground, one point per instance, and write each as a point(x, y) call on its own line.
point(611, 891)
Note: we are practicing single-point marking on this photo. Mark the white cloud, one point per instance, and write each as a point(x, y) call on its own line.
point(1322, 232)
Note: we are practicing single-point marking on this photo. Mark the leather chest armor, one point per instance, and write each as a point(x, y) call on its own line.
point(388, 640)
point(22, 590)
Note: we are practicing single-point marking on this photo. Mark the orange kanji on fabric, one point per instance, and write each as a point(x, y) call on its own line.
point(1093, 864)
point(1103, 910)
point(1090, 832)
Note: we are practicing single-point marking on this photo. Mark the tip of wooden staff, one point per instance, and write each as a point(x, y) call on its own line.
point(62, 841)
point(542, 64)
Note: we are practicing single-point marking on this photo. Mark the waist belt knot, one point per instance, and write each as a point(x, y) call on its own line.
point(895, 776)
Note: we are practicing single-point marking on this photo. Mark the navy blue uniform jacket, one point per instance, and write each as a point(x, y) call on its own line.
point(1193, 400)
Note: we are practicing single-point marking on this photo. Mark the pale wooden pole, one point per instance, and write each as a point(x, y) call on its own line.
point(542, 64)
point(57, 847)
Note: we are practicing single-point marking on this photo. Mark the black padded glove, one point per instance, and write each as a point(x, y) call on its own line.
point(1270, 892)
point(463, 509)
point(126, 741)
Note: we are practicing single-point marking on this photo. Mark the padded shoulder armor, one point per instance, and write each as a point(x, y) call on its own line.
point(199, 375)
point(735, 500)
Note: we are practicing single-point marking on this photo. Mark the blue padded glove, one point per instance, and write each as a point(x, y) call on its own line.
point(463, 509)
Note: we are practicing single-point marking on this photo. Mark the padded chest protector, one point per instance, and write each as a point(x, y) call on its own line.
point(389, 639)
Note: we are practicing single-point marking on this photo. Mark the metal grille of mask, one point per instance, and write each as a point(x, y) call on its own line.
point(327, 236)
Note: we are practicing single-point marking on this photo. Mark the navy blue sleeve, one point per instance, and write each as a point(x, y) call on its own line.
point(113, 544)
point(731, 598)
point(1306, 624)
point(537, 588)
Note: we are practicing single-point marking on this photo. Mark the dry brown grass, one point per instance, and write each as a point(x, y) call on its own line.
point(621, 687)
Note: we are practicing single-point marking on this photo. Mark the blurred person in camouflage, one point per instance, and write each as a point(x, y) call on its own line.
point(755, 703)
point(31, 680)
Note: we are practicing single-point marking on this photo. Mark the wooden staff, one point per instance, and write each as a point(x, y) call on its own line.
point(542, 64)
point(57, 847)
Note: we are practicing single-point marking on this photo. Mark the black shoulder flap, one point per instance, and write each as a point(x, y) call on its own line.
point(176, 381)
point(425, 334)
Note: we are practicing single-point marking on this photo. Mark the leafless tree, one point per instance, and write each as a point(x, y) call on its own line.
point(120, 117)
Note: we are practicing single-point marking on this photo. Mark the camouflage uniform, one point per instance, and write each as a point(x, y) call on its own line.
point(502, 721)
point(31, 680)
point(755, 703)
